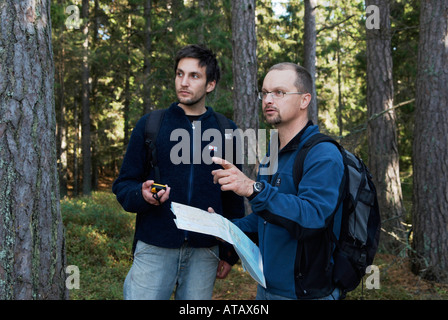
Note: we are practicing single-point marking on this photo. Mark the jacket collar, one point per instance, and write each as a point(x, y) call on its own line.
point(174, 107)
point(294, 143)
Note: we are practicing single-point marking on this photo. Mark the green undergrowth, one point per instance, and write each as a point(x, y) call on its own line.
point(99, 238)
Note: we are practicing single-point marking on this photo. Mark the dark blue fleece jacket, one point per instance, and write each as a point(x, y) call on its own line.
point(191, 182)
point(293, 223)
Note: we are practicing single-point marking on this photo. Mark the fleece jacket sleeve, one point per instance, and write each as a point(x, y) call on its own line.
point(128, 186)
point(306, 213)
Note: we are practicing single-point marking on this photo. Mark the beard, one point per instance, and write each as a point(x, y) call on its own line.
point(190, 101)
point(273, 120)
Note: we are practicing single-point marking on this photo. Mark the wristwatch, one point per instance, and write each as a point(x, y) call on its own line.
point(258, 187)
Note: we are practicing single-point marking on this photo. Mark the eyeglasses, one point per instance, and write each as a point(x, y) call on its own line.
point(275, 94)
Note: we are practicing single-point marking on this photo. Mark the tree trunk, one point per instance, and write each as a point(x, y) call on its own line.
point(94, 75)
point(339, 76)
point(244, 66)
point(32, 255)
point(310, 53)
point(201, 29)
point(147, 55)
point(61, 129)
point(430, 149)
point(86, 136)
point(75, 147)
point(382, 132)
point(127, 89)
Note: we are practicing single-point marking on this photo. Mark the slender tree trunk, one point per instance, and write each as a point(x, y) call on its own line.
point(382, 132)
point(430, 149)
point(310, 53)
point(32, 254)
point(127, 89)
point(339, 68)
point(75, 148)
point(95, 74)
point(86, 122)
point(61, 129)
point(147, 55)
point(201, 29)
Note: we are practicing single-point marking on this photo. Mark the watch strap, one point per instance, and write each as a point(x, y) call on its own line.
point(255, 193)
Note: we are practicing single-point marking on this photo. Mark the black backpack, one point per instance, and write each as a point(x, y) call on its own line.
point(361, 223)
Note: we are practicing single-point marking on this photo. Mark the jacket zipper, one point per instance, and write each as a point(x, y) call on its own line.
point(190, 179)
point(190, 182)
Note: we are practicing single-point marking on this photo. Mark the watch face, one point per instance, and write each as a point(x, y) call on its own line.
point(258, 186)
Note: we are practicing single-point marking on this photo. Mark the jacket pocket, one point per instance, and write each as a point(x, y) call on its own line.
point(313, 268)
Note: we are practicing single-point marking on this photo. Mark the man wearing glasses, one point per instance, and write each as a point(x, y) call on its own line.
point(292, 222)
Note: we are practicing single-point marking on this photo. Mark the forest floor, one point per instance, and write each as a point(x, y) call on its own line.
point(99, 234)
point(397, 282)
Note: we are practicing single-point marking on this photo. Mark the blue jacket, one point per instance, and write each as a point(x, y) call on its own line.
point(293, 226)
point(191, 183)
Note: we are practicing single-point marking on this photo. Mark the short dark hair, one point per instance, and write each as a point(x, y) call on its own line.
point(304, 81)
point(206, 58)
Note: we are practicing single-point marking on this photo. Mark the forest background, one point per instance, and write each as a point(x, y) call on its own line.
point(116, 59)
point(113, 63)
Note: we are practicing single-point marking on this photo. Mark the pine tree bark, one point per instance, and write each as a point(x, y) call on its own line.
point(382, 131)
point(244, 66)
point(310, 53)
point(32, 254)
point(430, 148)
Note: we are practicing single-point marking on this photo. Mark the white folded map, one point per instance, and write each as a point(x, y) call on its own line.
point(197, 220)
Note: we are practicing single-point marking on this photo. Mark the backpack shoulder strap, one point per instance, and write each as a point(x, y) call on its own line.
point(153, 123)
point(223, 122)
point(152, 128)
point(297, 170)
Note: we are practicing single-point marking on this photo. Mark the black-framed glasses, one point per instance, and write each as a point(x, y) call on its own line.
point(275, 94)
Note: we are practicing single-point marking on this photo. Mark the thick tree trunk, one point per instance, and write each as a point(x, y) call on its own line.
point(430, 149)
point(382, 132)
point(32, 254)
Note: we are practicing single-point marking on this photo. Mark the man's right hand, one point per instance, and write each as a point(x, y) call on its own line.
point(163, 195)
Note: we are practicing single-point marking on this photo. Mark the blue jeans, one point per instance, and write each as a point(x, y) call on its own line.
point(263, 294)
point(157, 271)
